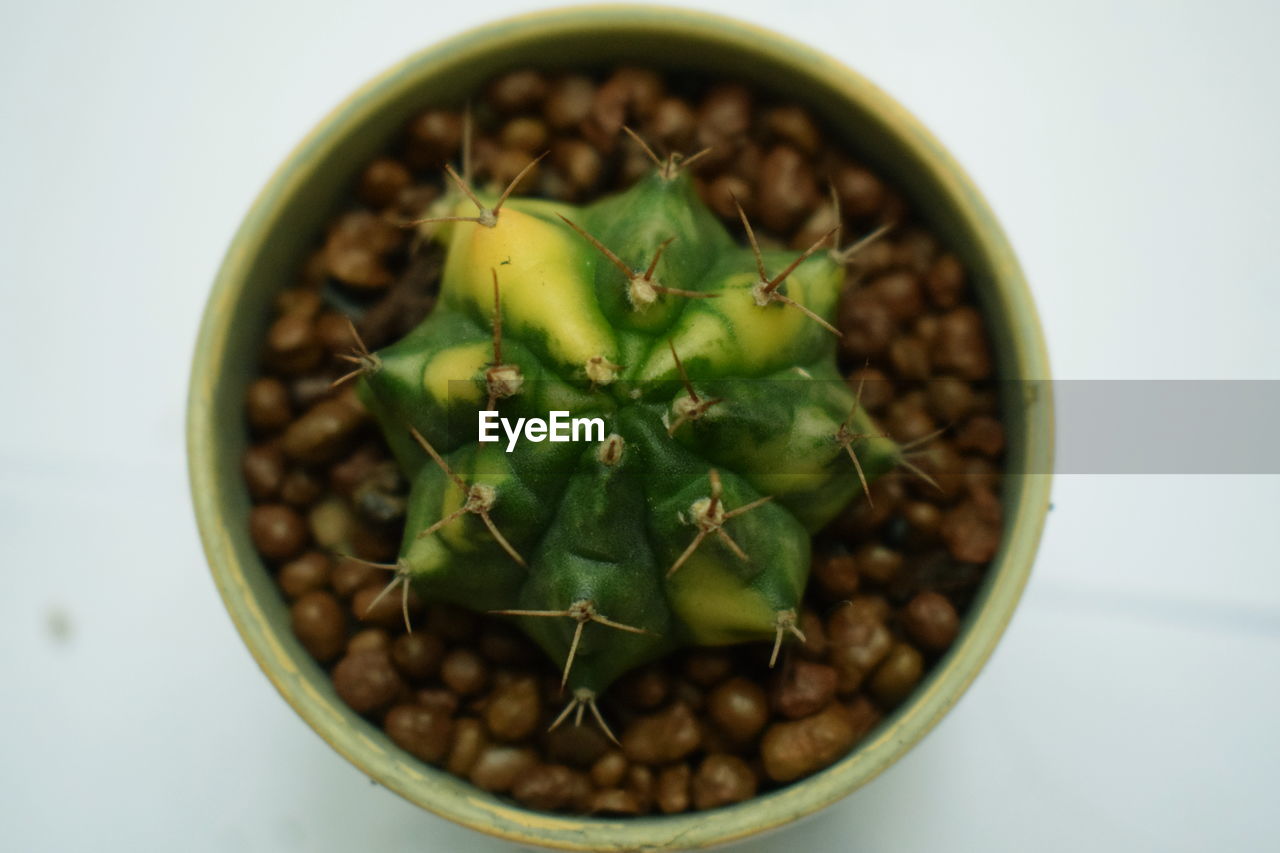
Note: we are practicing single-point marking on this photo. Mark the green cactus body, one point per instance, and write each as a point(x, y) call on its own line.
point(690, 523)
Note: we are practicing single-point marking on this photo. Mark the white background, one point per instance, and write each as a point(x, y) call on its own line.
point(1130, 150)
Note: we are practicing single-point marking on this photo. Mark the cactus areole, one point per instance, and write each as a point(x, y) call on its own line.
point(729, 435)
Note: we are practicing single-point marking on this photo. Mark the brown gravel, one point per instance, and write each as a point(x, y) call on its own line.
point(707, 727)
point(664, 737)
point(422, 731)
point(367, 681)
point(722, 780)
point(791, 750)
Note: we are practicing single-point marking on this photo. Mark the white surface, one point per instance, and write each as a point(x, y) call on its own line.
point(1130, 152)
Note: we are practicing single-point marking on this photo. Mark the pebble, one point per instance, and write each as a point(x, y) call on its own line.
point(803, 688)
point(610, 769)
point(367, 681)
point(319, 625)
point(292, 346)
point(945, 281)
point(526, 134)
point(909, 356)
point(721, 780)
point(513, 711)
point(579, 163)
point(323, 433)
point(547, 787)
point(739, 708)
point(707, 667)
point(664, 737)
point(614, 802)
point(672, 124)
point(961, 346)
point(949, 399)
point(724, 113)
point(897, 675)
point(857, 642)
point(307, 573)
point(300, 488)
point(878, 563)
point(671, 792)
point(434, 137)
point(900, 293)
point(645, 688)
point(331, 523)
point(417, 656)
point(438, 699)
point(836, 573)
point(421, 731)
point(787, 189)
point(578, 746)
point(569, 101)
point(931, 621)
point(497, 768)
point(867, 322)
point(369, 640)
point(263, 469)
point(791, 750)
point(983, 434)
point(386, 612)
point(795, 126)
point(267, 405)
point(278, 532)
point(468, 742)
point(726, 192)
point(517, 91)
point(876, 387)
point(972, 530)
point(382, 182)
point(464, 672)
point(348, 576)
point(860, 192)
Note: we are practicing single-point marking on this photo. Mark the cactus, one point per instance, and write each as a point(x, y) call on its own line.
point(730, 437)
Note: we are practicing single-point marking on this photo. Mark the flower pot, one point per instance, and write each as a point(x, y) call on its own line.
point(285, 220)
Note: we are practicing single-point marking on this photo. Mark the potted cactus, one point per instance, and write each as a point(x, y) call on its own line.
point(619, 429)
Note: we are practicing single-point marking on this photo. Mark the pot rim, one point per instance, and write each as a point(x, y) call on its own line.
point(452, 798)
